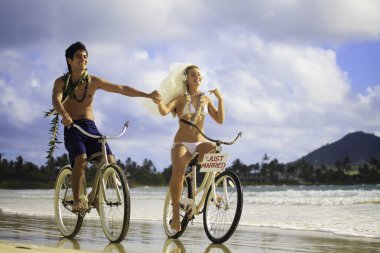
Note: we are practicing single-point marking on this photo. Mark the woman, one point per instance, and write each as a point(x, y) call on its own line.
point(185, 100)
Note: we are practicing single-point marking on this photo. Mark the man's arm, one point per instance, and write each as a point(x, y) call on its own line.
point(57, 101)
point(124, 89)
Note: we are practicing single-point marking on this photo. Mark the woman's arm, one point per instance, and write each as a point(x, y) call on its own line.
point(169, 107)
point(216, 114)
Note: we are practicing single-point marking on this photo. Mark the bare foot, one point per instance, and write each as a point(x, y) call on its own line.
point(175, 223)
point(78, 207)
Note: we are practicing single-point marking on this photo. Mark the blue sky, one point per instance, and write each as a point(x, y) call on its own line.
point(294, 74)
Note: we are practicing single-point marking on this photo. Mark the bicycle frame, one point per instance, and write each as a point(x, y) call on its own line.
point(103, 162)
point(207, 182)
point(209, 179)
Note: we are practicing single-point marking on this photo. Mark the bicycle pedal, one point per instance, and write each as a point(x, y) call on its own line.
point(191, 218)
point(188, 205)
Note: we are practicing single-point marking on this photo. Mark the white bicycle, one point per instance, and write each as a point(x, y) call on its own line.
point(113, 200)
point(221, 202)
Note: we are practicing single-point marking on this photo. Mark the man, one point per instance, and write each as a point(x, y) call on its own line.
point(72, 98)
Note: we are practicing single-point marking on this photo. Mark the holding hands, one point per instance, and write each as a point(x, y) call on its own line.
point(155, 96)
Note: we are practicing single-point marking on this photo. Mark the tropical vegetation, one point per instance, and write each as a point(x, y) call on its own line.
point(20, 173)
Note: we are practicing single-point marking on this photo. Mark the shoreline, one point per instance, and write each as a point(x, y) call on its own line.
point(199, 223)
point(40, 233)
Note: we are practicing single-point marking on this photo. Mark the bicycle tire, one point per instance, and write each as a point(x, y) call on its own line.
point(219, 224)
point(114, 203)
point(69, 223)
point(168, 211)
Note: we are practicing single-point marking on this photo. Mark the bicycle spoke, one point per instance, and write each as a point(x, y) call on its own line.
point(68, 222)
point(222, 214)
point(114, 204)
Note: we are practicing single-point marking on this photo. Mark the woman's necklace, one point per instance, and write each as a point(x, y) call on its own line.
point(198, 109)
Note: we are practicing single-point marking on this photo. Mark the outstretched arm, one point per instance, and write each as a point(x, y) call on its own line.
point(216, 114)
point(125, 90)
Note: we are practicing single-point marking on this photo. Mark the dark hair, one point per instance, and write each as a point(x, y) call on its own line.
point(70, 52)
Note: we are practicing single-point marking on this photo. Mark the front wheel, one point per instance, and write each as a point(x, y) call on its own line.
point(68, 222)
point(222, 214)
point(114, 204)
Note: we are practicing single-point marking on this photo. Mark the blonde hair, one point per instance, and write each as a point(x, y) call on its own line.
point(173, 85)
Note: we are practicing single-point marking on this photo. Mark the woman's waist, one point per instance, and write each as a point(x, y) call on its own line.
point(182, 136)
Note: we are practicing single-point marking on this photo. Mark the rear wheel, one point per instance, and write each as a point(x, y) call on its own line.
point(114, 204)
point(168, 211)
point(68, 223)
point(222, 214)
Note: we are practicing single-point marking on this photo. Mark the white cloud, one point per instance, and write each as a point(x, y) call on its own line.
point(15, 108)
point(273, 61)
point(302, 21)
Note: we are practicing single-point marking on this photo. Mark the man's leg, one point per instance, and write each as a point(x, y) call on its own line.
point(77, 177)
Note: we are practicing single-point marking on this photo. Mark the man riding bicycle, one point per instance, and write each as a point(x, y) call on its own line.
point(72, 98)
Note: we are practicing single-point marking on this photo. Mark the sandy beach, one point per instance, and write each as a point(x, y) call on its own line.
point(24, 233)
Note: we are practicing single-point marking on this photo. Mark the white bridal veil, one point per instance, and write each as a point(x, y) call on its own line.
point(172, 86)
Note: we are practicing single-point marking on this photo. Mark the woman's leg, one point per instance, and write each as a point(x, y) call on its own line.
point(180, 159)
point(204, 148)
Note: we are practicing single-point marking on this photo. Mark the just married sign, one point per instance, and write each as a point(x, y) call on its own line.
point(214, 162)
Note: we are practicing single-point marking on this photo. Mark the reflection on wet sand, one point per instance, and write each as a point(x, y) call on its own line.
point(176, 246)
point(149, 236)
point(70, 243)
point(170, 246)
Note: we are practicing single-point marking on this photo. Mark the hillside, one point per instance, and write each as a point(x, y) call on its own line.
point(359, 147)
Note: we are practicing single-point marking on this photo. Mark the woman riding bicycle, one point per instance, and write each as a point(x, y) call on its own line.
point(182, 97)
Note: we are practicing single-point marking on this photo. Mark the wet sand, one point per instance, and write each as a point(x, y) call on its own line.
point(23, 233)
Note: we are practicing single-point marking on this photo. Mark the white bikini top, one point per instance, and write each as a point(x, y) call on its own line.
point(193, 109)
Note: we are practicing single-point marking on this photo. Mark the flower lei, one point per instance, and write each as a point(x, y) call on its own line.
point(68, 92)
point(199, 107)
point(188, 101)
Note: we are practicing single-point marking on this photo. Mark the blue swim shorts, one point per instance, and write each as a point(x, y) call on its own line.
point(77, 143)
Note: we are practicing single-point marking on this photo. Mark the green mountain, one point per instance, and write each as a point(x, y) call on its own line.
point(359, 147)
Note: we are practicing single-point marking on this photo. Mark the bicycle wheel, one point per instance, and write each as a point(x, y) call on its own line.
point(114, 204)
point(187, 192)
point(221, 217)
point(68, 222)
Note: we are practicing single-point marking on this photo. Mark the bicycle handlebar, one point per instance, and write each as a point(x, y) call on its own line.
point(218, 142)
point(100, 136)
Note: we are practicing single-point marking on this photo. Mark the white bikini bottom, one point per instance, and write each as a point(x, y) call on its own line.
point(190, 146)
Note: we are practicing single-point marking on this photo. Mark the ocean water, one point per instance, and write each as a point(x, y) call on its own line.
point(341, 210)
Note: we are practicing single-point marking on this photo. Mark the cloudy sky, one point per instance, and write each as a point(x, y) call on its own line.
point(294, 74)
